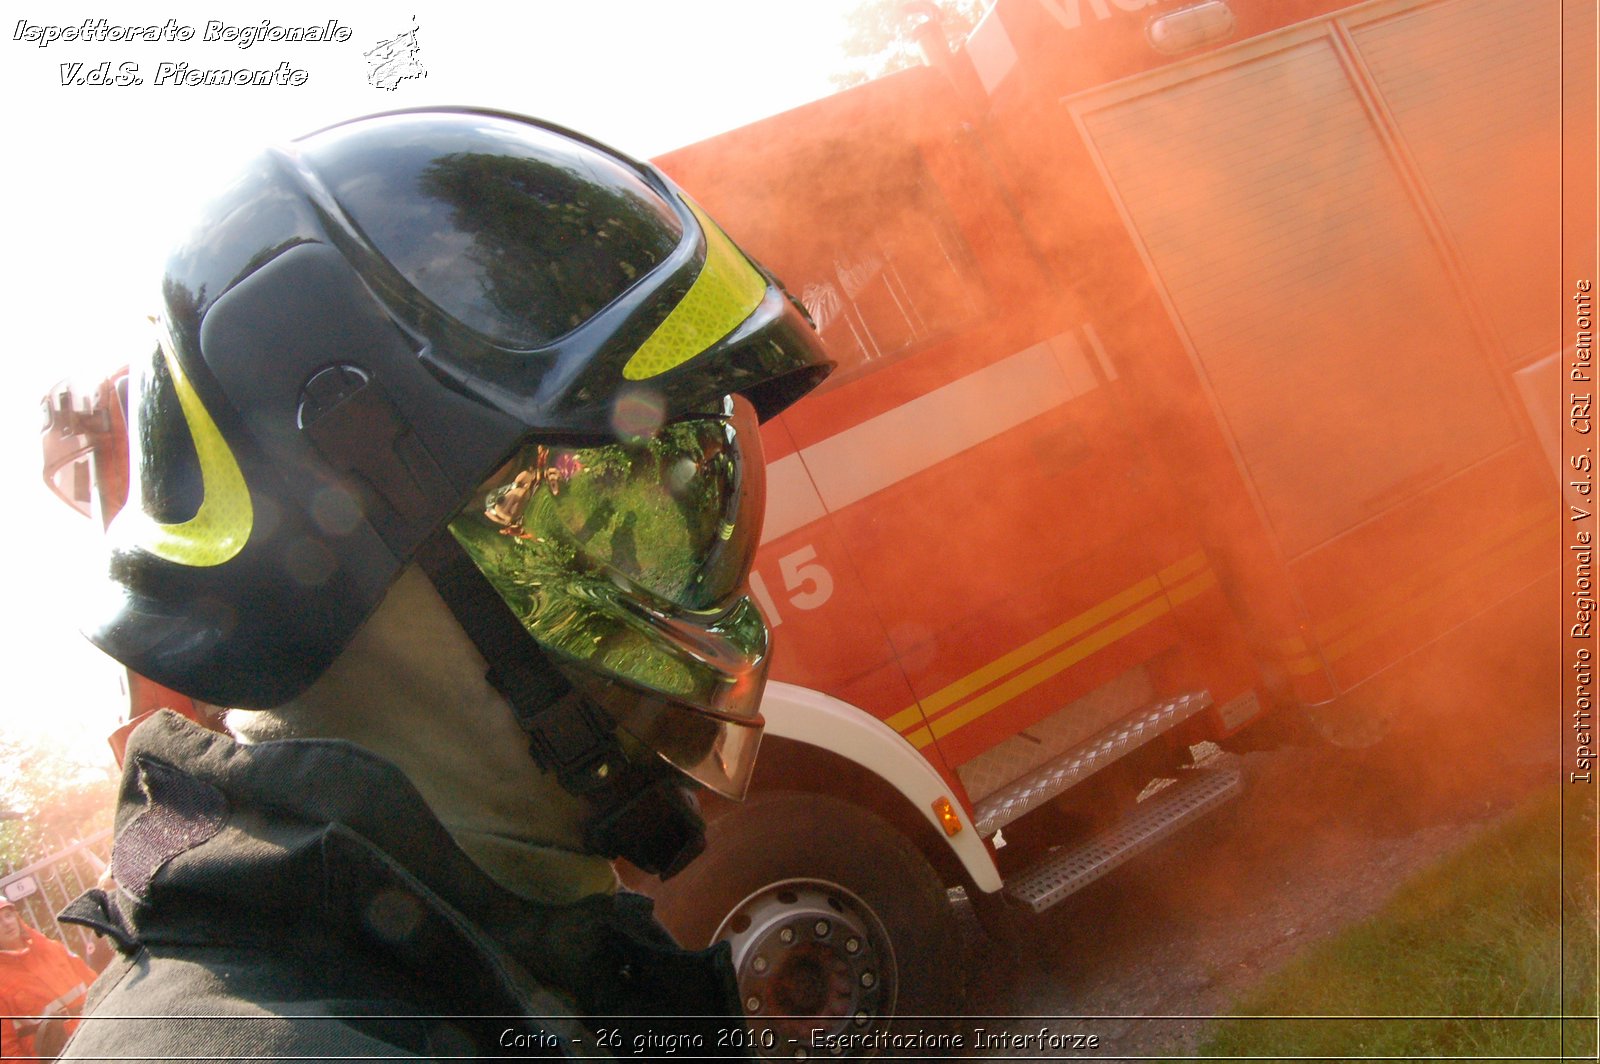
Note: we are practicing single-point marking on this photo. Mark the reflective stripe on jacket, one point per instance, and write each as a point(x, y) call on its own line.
point(39, 982)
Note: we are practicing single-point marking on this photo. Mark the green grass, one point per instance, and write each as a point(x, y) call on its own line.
point(1476, 942)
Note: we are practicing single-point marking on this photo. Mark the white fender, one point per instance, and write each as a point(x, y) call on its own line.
point(807, 716)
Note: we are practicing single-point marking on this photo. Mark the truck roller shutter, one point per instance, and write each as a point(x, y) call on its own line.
point(1351, 224)
point(1299, 258)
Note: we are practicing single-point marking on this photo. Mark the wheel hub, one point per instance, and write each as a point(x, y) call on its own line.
point(811, 956)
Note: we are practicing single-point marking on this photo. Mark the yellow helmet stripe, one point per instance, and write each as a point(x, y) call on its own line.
point(725, 293)
point(221, 526)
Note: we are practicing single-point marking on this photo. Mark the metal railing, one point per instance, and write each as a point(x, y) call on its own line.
point(43, 888)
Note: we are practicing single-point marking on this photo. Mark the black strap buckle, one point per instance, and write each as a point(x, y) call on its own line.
point(641, 814)
point(652, 822)
point(567, 735)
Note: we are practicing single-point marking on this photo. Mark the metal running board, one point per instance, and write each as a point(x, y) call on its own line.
point(1065, 871)
point(1026, 794)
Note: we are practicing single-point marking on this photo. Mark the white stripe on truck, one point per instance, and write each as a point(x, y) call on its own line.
point(884, 450)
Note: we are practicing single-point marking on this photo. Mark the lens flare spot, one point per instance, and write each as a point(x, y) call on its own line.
point(680, 474)
point(393, 915)
point(335, 512)
point(638, 414)
point(309, 563)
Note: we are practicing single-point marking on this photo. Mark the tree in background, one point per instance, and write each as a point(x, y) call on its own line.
point(881, 38)
point(47, 799)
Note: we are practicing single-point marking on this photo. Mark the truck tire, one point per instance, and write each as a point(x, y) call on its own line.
point(836, 920)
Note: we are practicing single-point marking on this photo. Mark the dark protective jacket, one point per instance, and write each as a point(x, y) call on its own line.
point(298, 899)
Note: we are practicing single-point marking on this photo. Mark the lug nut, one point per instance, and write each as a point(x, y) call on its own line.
point(759, 964)
point(868, 980)
point(821, 928)
point(852, 945)
point(786, 936)
point(752, 1004)
point(862, 1018)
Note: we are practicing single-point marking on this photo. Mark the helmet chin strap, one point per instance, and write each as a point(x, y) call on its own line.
point(641, 810)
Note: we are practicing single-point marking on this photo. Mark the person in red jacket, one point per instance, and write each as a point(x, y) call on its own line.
point(42, 988)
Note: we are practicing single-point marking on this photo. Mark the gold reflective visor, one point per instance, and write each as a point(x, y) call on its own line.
point(628, 561)
point(677, 515)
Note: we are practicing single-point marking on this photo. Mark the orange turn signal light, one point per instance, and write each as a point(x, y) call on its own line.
point(947, 816)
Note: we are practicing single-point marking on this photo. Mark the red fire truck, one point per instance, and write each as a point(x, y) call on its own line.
point(1198, 364)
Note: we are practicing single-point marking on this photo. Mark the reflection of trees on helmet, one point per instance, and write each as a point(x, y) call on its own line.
point(555, 275)
point(166, 494)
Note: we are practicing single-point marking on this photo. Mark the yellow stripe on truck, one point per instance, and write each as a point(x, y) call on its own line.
point(1023, 655)
point(1048, 668)
point(1193, 587)
point(1423, 594)
point(1139, 605)
point(1049, 654)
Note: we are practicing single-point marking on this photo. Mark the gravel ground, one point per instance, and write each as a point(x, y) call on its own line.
point(1320, 840)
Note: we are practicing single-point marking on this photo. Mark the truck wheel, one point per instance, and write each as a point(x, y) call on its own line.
point(836, 920)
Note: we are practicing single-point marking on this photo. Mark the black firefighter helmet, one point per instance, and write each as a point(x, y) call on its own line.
point(467, 328)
